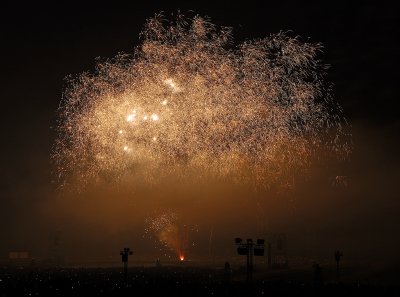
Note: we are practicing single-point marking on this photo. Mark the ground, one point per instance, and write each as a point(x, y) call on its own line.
point(189, 280)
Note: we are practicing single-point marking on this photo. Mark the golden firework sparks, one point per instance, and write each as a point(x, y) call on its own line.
point(189, 103)
point(168, 232)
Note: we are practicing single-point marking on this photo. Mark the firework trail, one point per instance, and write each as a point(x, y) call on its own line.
point(169, 232)
point(189, 104)
point(210, 243)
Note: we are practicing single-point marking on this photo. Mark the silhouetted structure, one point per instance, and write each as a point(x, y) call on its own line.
point(158, 263)
point(277, 251)
point(269, 255)
point(318, 276)
point(55, 251)
point(338, 255)
point(20, 258)
point(124, 255)
point(227, 271)
point(249, 249)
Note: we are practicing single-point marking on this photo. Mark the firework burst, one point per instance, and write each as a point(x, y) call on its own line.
point(167, 231)
point(190, 104)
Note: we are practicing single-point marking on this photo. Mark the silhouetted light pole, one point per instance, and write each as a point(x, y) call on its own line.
point(250, 249)
point(124, 255)
point(269, 255)
point(338, 256)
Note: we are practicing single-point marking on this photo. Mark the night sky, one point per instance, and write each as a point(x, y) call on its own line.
point(43, 43)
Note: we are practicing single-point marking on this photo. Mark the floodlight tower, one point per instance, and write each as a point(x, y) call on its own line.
point(124, 255)
point(338, 255)
point(250, 249)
